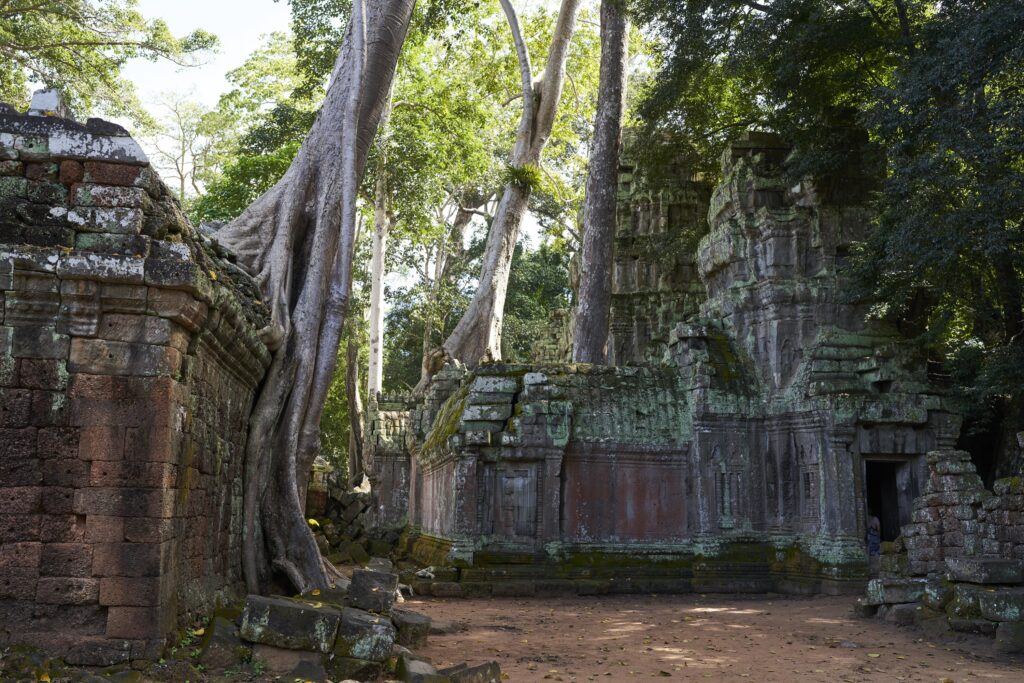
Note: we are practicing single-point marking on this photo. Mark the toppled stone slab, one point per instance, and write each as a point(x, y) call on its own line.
point(348, 668)
point(372, 590)
point(222, 646)
point(289, 624)
point(411, 670)
point(1010, 637)
point(894, 591)
point(989, 571)
point(481, 673)
point(291, 664)
point(1002, 604)
point(362, 635)
point(413, 627)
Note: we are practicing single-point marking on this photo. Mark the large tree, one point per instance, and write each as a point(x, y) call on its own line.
point(297, 241)
point(477, 336)
point(593, 305)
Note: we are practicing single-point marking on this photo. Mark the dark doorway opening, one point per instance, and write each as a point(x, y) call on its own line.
point(890, 488)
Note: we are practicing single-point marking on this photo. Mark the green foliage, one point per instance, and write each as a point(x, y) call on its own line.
point(79, 47)
point(947, 250)
point(799, 67)
point(527, 177)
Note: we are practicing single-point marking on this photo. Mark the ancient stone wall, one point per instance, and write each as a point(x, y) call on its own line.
point(959, 564)
point(128, 366)
point(660, 217)
point(740, 460)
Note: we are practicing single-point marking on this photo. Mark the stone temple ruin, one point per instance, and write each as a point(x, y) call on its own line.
point(748, 421)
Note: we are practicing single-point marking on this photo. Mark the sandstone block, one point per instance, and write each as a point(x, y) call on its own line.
point(66, 559)
point(372, 590)
point(108, 196)
point(1010, 637)
point(362, 635)
point(221, 646)
point(289, 624)
point(1002, 604)
point(134, 622)
point(413, 627)
point(128, 559)
point(133, 592)
point(104, 357)
point(481, 673)
point(67, 590)
point(985, 570)
point(349, 669)
point(411, 670)
point(111, 174)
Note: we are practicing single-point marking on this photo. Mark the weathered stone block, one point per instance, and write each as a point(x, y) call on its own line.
point(362, 635)
point(481, 673)
point(413, 627)
point(65, 590)
point(349, 669)
point(221, 646)
point(372, 590)
point(903, 614)
point(291, 664)
point(66, 559)
point(985, 570)
point(1010, 637)
point(411, 670)
point(289, 624)
point(1002, 604)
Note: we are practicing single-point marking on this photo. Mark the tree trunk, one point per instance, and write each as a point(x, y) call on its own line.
point(356, 467)
point(381, 227)
point(593, 308)
point(477, 336)
point(297, 242)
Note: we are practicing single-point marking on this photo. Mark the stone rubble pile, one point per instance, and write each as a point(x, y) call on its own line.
point(959, 565)
point(350, 632)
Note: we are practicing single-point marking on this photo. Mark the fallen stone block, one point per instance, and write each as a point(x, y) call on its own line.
point(1003, 604)
point(221, 646)
point(291, 664)
point(981, 627)
point(372, 591)
point(481, 673)
point(902, 614)
point(937, 594)
point(289, 624)
point(1010, 637)
point(348, 668)
point(412, 670)
point(993, 571)
point(896, 591)
point(863, 609)
point(413, 627)
point(362, 635)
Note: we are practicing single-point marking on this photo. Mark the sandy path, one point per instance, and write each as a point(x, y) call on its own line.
point(693, 637)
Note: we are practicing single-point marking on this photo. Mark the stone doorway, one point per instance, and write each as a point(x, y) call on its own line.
point(890, 486)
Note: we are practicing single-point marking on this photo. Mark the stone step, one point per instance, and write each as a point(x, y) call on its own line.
point(983, 570)
point(1002, 604)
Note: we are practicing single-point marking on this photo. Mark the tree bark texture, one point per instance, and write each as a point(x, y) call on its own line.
point(382, 224)
point(356, 463)
point(477, 336)
point(599, 210)
point(297, 242)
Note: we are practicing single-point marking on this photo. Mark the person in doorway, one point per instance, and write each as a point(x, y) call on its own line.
point(874, 541)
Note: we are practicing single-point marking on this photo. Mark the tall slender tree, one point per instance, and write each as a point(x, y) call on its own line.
point(297, 241)
point(477, 336)
point(594, 302)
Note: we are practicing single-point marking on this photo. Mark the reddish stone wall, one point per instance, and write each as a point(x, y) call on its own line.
point(128, 366)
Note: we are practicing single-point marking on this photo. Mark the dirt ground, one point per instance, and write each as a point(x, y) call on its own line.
point(700, 637)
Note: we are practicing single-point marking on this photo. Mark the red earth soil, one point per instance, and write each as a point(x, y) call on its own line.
point(700, 637)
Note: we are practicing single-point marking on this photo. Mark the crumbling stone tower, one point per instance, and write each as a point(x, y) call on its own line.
point(752, 416)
